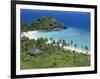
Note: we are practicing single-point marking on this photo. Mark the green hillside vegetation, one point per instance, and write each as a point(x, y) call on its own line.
point(52, 55)
point(43, 23)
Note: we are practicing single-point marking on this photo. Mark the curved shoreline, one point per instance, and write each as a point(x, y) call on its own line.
point(30, 35)
point(74, 49)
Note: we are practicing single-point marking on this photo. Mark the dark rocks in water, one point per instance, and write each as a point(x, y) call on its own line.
point(66, 27)
point(34, 51)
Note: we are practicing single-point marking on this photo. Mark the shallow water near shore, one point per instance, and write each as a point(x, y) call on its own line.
point(78, 36)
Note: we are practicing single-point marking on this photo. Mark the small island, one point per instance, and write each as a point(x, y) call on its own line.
point(47, 23)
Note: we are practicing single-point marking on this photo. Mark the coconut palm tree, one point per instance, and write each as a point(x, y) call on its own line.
point(64, 43)
point(46, 40)
point(86, 48)
point(59, 40)
point(75, 45)
point(53, 42)
point(71, 43)
point(58, 43)
point(51, 38)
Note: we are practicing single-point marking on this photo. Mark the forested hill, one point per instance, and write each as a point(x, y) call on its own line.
point(43, 23)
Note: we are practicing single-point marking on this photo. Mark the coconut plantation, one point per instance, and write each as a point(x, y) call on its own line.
point(41, 54)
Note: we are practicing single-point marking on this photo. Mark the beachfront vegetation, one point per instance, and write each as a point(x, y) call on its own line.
point(43, 23)
point(52, 55)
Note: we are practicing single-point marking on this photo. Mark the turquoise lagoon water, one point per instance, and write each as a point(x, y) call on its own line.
point(79, 36)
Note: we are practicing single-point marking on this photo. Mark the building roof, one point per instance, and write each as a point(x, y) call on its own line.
point(34, 51)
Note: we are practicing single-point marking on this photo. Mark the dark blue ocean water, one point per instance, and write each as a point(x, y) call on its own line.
point(78, 22)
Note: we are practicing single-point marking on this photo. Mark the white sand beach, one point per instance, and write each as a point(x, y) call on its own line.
point(33, 35)
point(74, 49)
point(77, 50)
point(30, 34)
